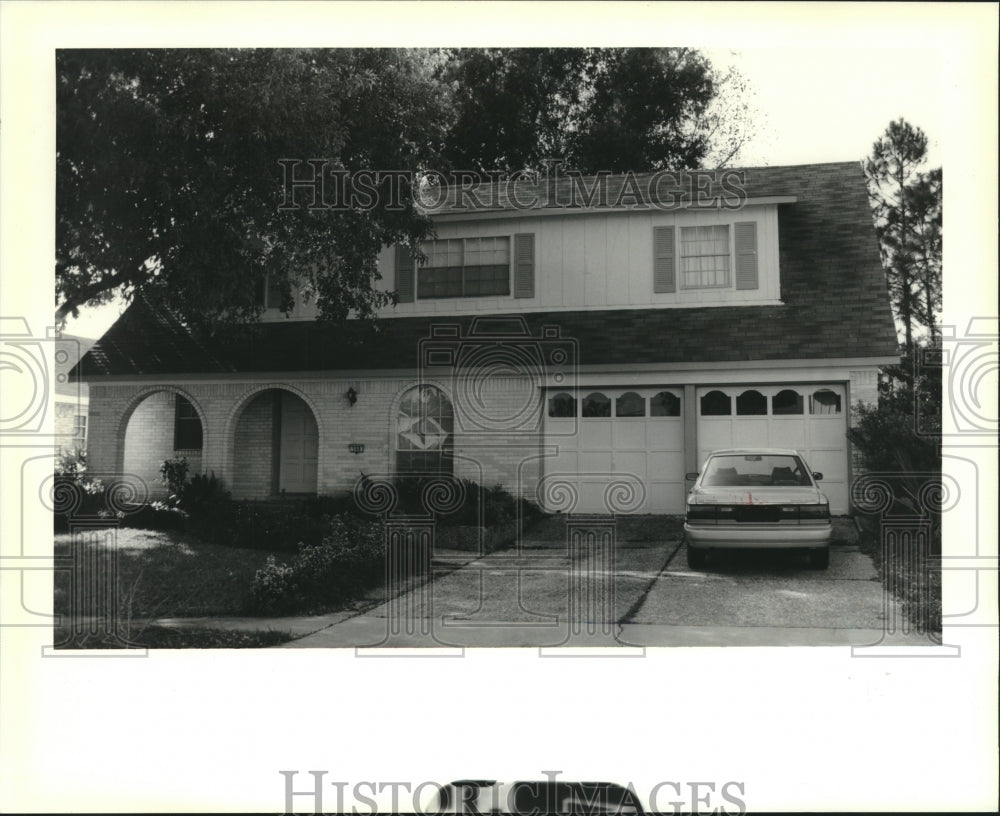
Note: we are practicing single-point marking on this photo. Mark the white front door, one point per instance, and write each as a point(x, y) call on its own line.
point(298, 453)
point(811, 419)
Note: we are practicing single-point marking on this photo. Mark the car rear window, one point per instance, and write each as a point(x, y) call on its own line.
point(756, 470)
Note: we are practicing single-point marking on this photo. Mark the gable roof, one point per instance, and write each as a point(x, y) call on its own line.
point(835, 305)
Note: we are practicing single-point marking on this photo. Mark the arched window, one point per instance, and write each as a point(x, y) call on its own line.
point(751, 403)
point(824, 401)
point(786, 402)
point(630, 404)
point(425, 427)
point(562, 405)
point(716, 403)
point(664, 404)
point(596, 406)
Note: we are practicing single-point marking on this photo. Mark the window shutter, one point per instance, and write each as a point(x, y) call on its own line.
point(746, 255)
point(404, 274)
point(664, 275)
point(524, 265)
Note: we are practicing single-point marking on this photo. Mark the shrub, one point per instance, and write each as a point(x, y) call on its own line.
point(75, 492)
point(173, 473)
point(349, 558)
point(498, 505)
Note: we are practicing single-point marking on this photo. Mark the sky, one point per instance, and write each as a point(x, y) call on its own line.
point(814, 104)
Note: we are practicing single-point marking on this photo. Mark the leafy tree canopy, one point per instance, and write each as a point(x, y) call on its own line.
point(169, 183)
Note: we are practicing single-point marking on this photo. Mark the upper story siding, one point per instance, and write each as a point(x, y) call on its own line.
point(594, 260)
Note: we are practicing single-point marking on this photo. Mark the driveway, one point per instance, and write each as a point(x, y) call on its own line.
point(625, 583)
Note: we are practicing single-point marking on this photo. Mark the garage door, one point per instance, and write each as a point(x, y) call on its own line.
point(809, 418)
point(614, 450)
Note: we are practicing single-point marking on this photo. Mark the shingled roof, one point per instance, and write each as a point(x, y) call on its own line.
point(835, 305)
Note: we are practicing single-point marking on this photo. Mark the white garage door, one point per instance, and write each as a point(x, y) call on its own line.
point(615, 450)
point(809, 418)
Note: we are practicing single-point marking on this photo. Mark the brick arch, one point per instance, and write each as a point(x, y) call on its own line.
point(136, 400)
point(228, 441)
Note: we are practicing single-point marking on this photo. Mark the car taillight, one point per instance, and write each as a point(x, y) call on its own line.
point(701, 512)
point(814, 512)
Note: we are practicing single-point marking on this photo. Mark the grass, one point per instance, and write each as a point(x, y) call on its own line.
point(152, 574)
point(913, 577)
point(168, 637)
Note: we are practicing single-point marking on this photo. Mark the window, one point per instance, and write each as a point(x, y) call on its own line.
point(596, 406)
point(465, 267)
point(716, 403)
point(664, 404)
point(751, 403)
point(705, 257)
point(786, 402)
point(269, 293)
point(187, 425)
point(425, 432)
point(80, 432)
point(630, 404)
point(562, 405)
point(824, 401)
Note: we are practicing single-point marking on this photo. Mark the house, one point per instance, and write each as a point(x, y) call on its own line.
point(586, 354)
point(71, 396)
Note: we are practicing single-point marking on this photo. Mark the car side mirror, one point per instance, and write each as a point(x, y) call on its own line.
point(818, 476)
point(691, 476)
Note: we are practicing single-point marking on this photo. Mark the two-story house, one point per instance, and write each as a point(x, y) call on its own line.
point(586, 354)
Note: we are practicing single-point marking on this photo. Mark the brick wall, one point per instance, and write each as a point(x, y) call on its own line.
point(252, 455)
point(149, 439)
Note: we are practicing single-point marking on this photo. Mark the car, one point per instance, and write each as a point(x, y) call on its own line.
point(537, 797)
point(749, 498)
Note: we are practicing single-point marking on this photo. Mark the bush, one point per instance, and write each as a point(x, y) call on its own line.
point(498, 505)
point(74, 491)
point(349, 558)
point(173, 473)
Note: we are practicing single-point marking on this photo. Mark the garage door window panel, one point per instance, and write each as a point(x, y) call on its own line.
point(824, 402)
point(630, 404)
point(751, 403)
point(665, 404)
point(596, 406)
point(716, 403)
point(562, 406)
point(787, 403)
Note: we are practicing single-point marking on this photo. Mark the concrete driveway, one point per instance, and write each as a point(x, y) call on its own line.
point(625, 583)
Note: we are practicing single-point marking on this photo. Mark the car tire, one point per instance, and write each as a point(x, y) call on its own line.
point(696, 558)
point(819, 559)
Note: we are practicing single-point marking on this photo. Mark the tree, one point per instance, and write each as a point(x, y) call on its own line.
point(907, 209)
point(613, 109)
point(169, 183)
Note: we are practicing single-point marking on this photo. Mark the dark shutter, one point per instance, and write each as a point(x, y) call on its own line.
point(404, 274)
point(746, 255)
point(664, 276)
point(524, 265)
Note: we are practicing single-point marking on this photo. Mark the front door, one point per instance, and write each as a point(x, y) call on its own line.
point(298, 446)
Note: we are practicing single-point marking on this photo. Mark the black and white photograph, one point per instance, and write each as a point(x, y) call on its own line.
point(377, 374)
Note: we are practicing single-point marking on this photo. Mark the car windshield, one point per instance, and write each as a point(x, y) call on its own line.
point(755, 470)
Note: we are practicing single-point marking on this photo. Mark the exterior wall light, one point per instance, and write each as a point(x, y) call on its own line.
point(352, 396)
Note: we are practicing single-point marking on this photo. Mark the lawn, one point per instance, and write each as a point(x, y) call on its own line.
point(154, 574)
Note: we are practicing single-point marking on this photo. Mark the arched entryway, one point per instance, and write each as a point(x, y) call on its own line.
point(275, 446)
point(162, 424)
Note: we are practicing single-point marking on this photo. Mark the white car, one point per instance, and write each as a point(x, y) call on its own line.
point(750, 498)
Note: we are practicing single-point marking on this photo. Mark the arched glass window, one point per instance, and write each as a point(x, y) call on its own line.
point(715, 403)
point(786, 402)
point(824, 401)
point(425, 427)
point(751, 403)
point(562, 405)
point(664, 404)
point(596, 406)
point(630, 404)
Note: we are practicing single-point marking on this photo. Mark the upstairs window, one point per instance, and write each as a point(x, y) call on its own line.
point(705, 257)
point(465, 267)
